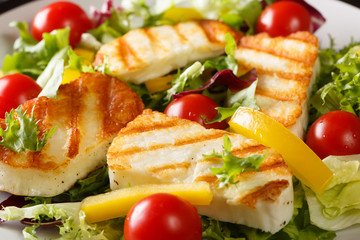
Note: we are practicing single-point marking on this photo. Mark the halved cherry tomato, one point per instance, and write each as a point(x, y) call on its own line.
point(15, 89)
point(193, 107)
point(163, 216)
point(335, 133)
point(283, 18)
point(60, 15)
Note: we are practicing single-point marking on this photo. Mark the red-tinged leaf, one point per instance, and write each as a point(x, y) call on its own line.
point(227, 78)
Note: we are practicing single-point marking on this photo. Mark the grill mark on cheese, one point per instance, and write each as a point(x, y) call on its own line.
point(303, 72)
point(269, 192)
point(127, 54)
point(275, 47)
point(106, 105)
point(183, 39)
point(133, 129)
point(206, 178)
point(153, 39)
point(75, 109)
point(182, 142)
point(306, 37)
point(175, 166)
point(208, 160)
point(208, 29)
point(249, 150)
point(113, 97)
point(281, 96)
point(212, 30)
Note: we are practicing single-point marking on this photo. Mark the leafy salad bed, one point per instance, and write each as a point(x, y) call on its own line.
point(337, 88)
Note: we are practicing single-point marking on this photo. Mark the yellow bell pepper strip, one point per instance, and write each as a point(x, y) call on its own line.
point(71, 74)
point(159, 84)
point(118, 203)
point(302, 161)
point(177, 14)
point(88, 55)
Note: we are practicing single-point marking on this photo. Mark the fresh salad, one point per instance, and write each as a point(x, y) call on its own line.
point(61, 43)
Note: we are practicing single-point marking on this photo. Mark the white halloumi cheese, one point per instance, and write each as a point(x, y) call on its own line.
point(148, 53)
point(155, 148)
point(286, 68)
point(88, 113)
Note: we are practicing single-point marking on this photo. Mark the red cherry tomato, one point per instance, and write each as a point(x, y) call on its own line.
point(163, 216)
point(335, 133)
point(283, 18)
point(192, 107)
point(60, 15)
point(15, 89)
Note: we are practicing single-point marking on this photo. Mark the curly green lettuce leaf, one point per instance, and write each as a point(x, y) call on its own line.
point(22, 132)
point(233, 165)
point(338, 86)
point(74, 225)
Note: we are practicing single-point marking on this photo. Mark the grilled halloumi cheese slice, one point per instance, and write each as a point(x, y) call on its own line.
point(148, 53)
point(88, 114)
point(156, 148)
point(287, 68)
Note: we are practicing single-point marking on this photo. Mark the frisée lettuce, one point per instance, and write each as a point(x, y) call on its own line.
point(338, 87)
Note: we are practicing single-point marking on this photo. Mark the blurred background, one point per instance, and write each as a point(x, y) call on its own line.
point(6, 5)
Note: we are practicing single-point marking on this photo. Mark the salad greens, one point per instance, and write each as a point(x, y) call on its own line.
point(72, 218)
point(95, 183)
point(338, 86)
point(75, 227)
point(339, 206)
point(233, 165)
point(237, 14)
point(22, 132)
point(31, 57)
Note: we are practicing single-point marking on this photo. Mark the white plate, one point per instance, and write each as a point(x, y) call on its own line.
point(341, 21)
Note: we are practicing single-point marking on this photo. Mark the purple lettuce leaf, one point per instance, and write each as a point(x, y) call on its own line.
point(227, 78)
point(99, 16)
